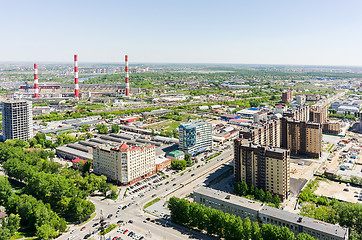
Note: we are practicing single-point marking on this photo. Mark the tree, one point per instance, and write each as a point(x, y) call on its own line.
point(304, 236)
point(188, 159)
point(12, 222)
point(241, 188)
point(247, 228)
point(178, 164)
point(255, 231)
point(276, 201)
point(102, 129)
point(5, 190)
point(252, 190)
point(5, 233)
point(45, 231)
point(268, 197)
point(115, 128)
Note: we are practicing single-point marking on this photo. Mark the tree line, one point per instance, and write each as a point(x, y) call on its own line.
point(56, 194)
point(242, 189)
point(224, 225)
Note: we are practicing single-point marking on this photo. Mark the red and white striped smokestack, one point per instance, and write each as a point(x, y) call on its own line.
point(36, 86)
point(127, 76)
point(76, 89)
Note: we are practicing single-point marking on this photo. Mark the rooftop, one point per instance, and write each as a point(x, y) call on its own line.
point(306, 221)
point(226, 197)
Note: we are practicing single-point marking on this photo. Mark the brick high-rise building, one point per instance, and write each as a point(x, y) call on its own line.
point(299, 113)
point(287, 96)
point(265, 133)
point(267, 168)
point(124, 164)
point(17, 120)
point(301, 137)
point(318, 114)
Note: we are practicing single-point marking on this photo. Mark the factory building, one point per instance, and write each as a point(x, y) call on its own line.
point(17, 120)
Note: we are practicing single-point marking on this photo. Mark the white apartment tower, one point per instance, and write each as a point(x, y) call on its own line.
point(17, 120)
point(124, 164)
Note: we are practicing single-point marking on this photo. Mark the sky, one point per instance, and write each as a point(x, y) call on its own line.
point(308, 32)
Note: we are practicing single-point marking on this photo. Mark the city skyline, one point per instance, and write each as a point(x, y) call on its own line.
point(277, 33)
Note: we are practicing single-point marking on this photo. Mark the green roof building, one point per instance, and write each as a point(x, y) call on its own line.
point(177, 154)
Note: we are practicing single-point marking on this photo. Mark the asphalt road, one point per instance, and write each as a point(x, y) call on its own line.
point(184, 183)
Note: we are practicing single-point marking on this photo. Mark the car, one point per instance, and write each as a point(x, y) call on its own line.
point(115, 238)
point(148, 219)
point(125, 231)
point(130, 221)
point(120, 221)
point(120, 206)
point(71, 232)
point(70, 237)
point(82, 228)
point(154, 195)
point(174, 184)
point(124, 207)
point(346, 189)
point(87, 236)
point(96, 224)
point(167, 183)
point(192, 175)
point(130, 233)
point(110, 215)
point(153, 220)
point(141, 238)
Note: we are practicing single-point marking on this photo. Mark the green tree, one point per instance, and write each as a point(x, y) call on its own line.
point(115, 128)
point(304, 236)
point(268, 197)
point(12, 222)
point(241, 188)
point(102, 129)
point(255, 231)
point(5, 190)
point(188, 159)
point(247, 228)
point(276, 201)
point(45, 231)
point(5, 233)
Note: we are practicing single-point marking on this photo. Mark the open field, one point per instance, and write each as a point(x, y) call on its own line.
point(335, 190)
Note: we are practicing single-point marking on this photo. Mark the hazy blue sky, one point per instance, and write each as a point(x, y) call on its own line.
point(325, 32)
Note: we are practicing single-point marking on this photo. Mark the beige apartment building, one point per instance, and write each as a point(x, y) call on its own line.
point(266, 133)
point(265, 167)
point(302, 138)
point(124, 164)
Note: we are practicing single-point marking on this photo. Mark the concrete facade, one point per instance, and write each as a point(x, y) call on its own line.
point(17, 120)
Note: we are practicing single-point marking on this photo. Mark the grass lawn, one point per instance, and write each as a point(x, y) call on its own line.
point(151, 203)
point(19, 235)
point(172, 126)
point(90, 218)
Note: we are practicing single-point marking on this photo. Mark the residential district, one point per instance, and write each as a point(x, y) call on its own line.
point(162, 153)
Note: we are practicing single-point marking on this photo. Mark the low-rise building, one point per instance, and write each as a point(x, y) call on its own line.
point(228, 203)
point(176, 154)
point(162, 163)
point(300, 224)
point(258, 212)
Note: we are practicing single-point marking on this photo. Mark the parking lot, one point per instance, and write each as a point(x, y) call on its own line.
point(338, 190)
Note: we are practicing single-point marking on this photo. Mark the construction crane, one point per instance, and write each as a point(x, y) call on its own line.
point(27, 89)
